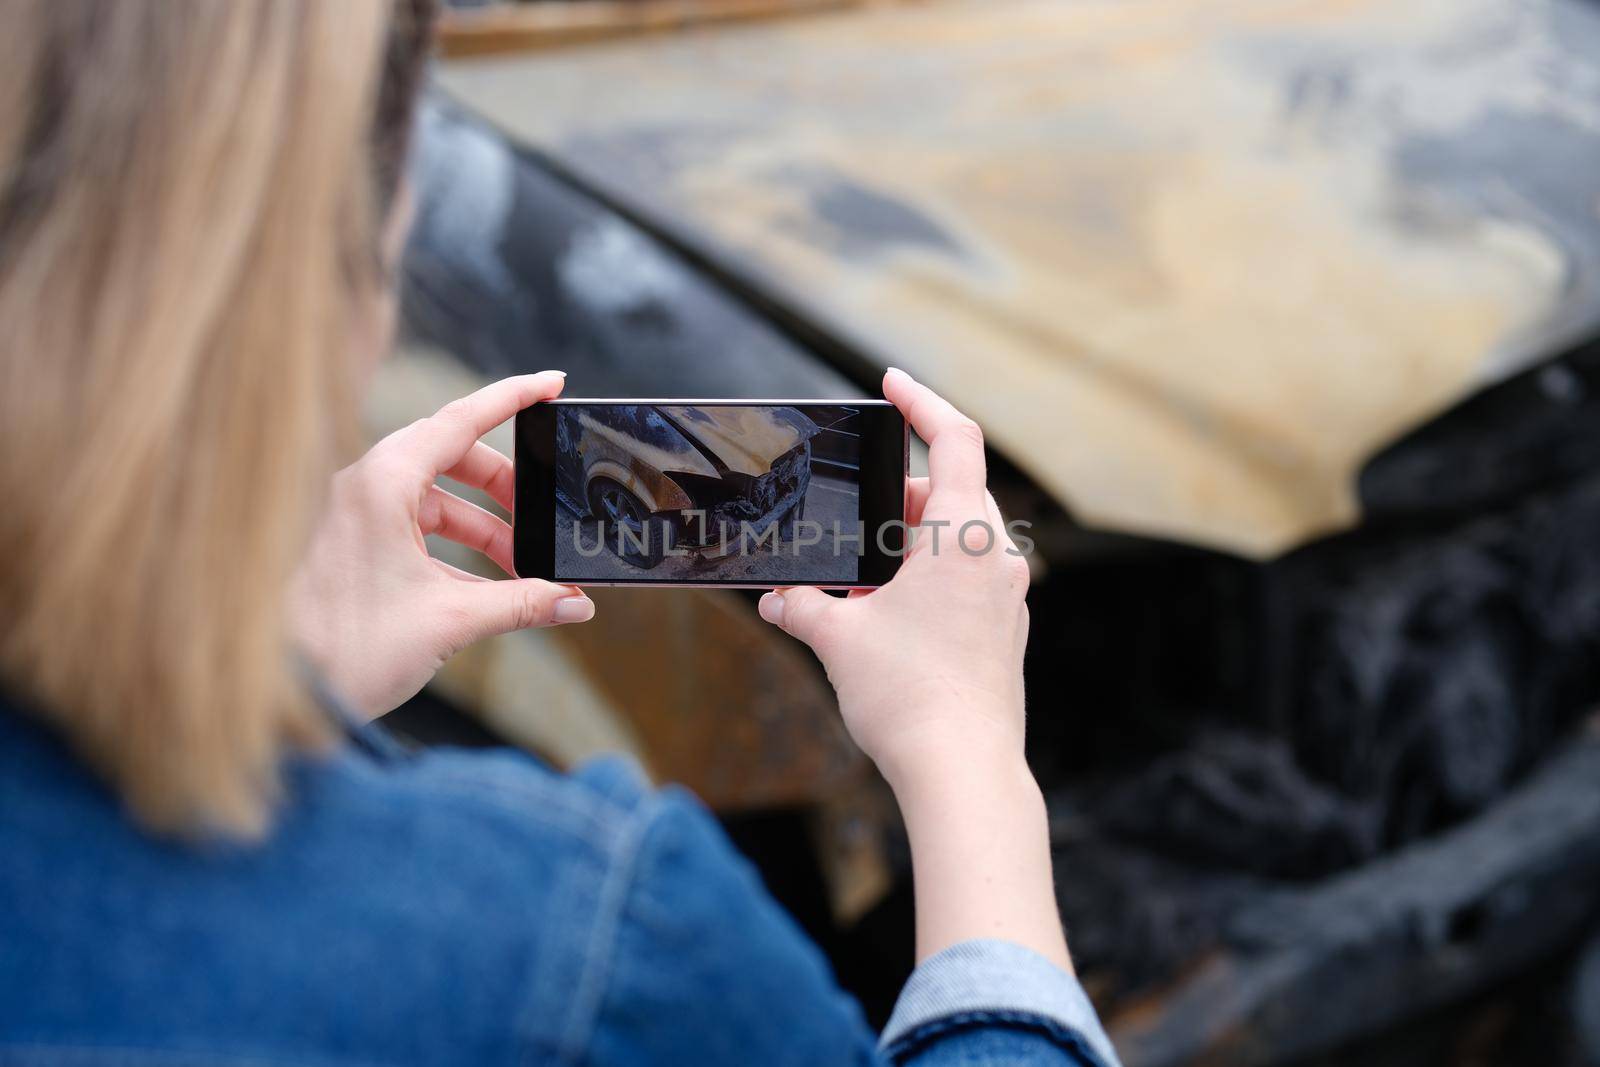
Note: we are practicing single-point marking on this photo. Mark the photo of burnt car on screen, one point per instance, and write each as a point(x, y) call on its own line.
point(715, 492)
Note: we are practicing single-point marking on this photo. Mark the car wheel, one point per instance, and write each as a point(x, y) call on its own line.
point(615, 505)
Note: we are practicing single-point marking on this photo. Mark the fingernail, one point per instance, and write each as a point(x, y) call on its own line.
point(899, 372)
point(771, 608)
point(557, 373)
point(573, 609)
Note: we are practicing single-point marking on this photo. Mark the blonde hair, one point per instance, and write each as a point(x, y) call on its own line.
point(187, 213)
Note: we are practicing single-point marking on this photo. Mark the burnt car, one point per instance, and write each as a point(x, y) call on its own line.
point(657, 477)
point(1283, 326)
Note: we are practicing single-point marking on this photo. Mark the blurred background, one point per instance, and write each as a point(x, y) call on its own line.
point(1282, 318)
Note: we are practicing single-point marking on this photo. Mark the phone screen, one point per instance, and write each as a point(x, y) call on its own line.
point(710, 492)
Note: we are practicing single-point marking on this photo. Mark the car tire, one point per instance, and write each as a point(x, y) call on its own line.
point(612, 503)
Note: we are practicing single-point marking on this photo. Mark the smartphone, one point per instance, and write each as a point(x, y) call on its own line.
point(737, 493)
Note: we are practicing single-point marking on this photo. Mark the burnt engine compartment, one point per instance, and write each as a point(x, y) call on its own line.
point(1212, 732)
point(732, 500)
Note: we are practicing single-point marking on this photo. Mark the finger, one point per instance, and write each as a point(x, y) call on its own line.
point(485, 468)
point(442, 440)
point(500, 607)
point(803, 612)
point(916, 499)
point(955, 443)
point(466, 524)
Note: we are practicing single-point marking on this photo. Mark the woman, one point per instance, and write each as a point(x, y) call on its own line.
point(204, 857)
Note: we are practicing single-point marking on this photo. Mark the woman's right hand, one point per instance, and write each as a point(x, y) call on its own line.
point(929, 675)
point(929, 668)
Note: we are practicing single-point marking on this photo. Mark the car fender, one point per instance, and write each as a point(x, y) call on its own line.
point(654, 489)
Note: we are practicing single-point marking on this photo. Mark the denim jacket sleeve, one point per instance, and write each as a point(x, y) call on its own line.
point(694, 963)
point(983, 1002)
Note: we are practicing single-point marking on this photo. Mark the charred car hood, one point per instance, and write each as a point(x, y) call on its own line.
point(1190, 263)
point(744, 439)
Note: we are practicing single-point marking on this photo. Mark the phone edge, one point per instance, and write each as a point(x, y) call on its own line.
point(905, 476)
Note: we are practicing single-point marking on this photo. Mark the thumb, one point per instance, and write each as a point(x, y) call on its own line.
point(803, 612)
point(500, 607)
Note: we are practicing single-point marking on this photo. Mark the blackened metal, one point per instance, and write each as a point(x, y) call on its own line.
point(1301, 971)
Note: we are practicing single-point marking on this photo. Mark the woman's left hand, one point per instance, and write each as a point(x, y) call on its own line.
point(369, 607)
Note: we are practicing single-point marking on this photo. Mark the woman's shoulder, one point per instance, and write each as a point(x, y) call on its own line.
point(446, 906)
point(453, 792)
point(646, 930)
point(681, 939)
point(441, 906)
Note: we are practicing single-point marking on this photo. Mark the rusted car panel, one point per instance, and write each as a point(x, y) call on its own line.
point(741, 716)
point(1190, 262)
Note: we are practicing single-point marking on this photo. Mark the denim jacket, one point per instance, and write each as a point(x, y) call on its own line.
point(452, 908)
